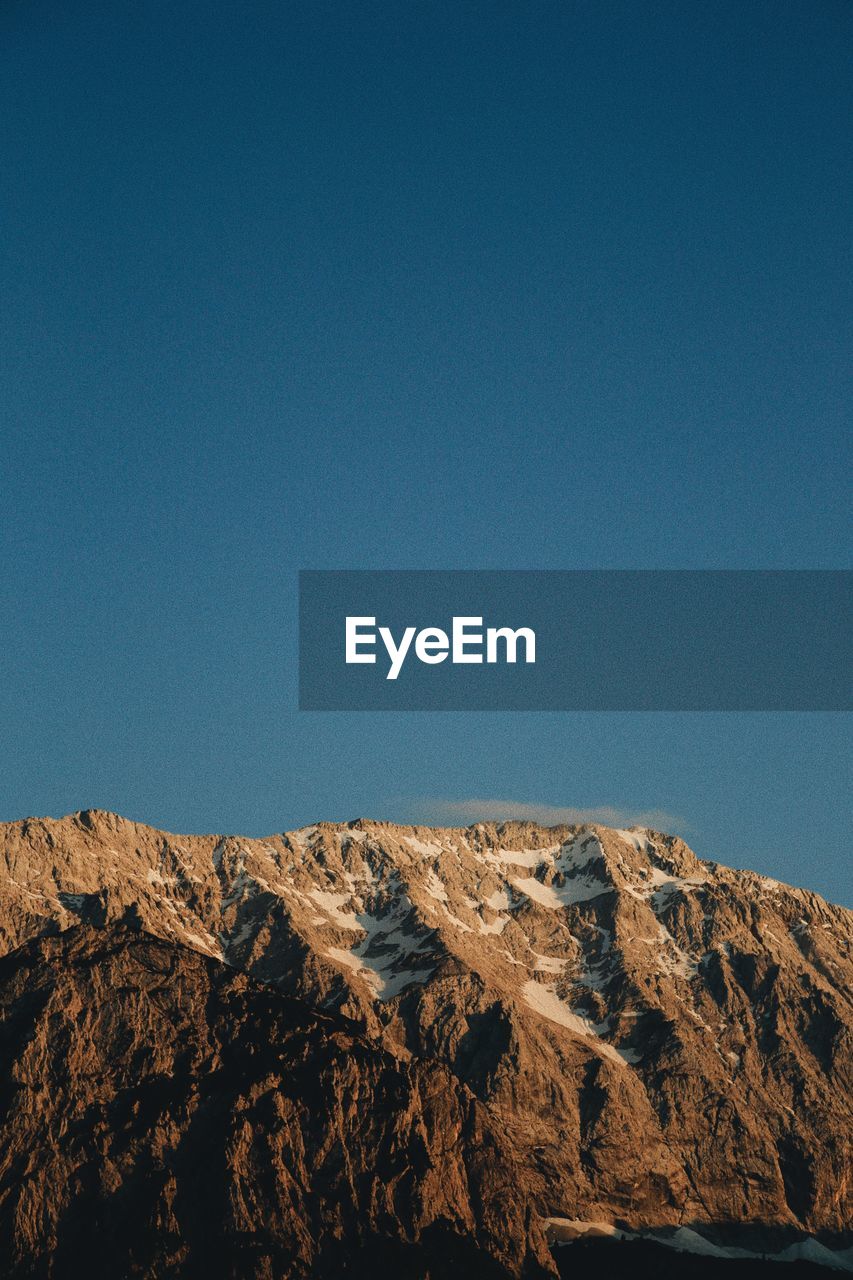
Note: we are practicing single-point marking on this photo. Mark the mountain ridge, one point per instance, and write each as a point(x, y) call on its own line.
point(662, 1040)
point(95, 818)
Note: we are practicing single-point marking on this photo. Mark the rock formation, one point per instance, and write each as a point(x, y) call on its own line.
point(539, 1025)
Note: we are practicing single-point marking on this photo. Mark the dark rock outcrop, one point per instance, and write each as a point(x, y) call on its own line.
point(163, 1115)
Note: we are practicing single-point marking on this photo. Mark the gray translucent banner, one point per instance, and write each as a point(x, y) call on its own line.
point(599, 640)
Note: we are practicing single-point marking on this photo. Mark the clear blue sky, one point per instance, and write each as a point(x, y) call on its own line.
point(433, 285)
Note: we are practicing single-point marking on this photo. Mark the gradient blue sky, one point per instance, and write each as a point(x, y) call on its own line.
point(420, 285)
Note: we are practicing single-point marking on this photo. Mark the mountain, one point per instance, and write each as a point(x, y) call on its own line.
point(647, 1041)
point(193, 1122)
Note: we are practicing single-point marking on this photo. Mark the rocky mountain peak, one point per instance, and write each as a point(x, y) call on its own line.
point(639, 1021)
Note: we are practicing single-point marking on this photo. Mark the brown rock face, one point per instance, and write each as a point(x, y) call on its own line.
point(658, 1041)
point(163, 1115)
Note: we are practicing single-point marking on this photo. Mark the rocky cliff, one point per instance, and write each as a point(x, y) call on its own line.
point(639, 1038)
point(164, 1115)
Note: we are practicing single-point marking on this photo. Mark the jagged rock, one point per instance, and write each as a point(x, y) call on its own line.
point(164, 1115)
point(660, 1040)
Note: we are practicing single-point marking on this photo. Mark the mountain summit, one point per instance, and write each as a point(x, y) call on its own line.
point(643, 1039)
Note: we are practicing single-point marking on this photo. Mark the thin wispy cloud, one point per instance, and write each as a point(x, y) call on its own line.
point(466, 812)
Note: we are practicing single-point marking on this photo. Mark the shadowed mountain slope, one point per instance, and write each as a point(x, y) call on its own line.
point(162, 1115)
